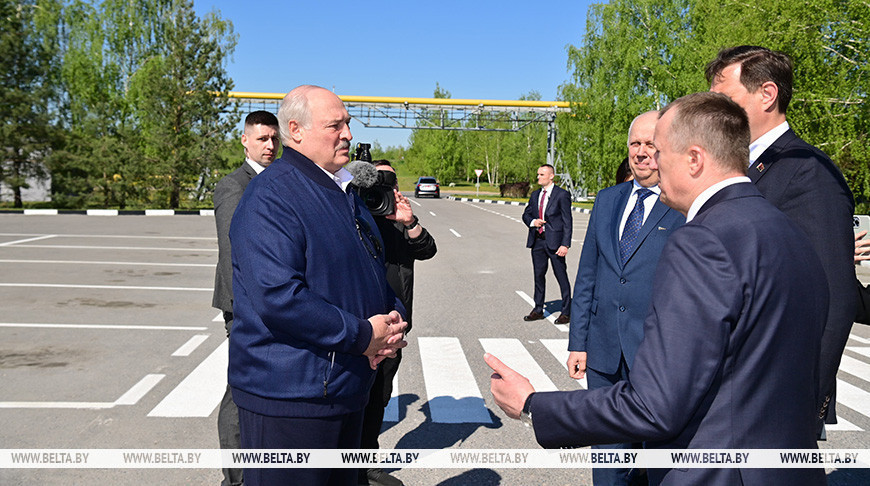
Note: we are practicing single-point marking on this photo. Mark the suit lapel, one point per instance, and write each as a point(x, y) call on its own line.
point(768, 157)
point(618, 209)
point(655, 215)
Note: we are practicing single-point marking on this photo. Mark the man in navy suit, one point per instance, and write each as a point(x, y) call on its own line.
point(730, 353)
point(802, 182)
point(548, 216)
point(627, 230)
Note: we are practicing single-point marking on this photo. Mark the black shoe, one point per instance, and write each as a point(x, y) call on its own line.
point(533, 316)
point(563, 319)
point(377, 477)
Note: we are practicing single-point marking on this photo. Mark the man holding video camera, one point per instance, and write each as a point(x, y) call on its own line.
point(405, 241)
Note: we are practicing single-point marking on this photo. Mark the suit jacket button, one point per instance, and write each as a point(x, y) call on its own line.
point(622, 280)
point(621, 308)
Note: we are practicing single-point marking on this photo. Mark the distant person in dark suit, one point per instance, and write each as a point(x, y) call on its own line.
point(548, 216)
point(730, 353)
point(627, 230)
point(623, 172)
point(802, 182)
point(260, 140)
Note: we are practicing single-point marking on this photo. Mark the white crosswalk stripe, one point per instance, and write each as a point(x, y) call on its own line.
point(450, 385)
point(559, 349)
point(453, 393)
point(512, 353)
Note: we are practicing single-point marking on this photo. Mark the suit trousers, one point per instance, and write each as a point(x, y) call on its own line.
point(608, 476)
point(264, 432)
point(541, 258)
point(379, 397)
point(228, 423)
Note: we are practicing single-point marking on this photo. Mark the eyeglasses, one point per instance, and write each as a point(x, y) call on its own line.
point(369, 240)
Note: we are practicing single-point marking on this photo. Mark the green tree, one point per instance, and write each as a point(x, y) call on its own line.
point(147, 115)
point(633, 58)
point(180, 97)
point(436, 152)
point(28, 50)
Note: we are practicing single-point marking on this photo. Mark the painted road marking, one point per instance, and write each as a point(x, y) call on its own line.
point(512, 353)
point(200, 393)
point(450, 385)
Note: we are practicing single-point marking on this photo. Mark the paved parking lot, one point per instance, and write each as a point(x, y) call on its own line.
point(108, 340)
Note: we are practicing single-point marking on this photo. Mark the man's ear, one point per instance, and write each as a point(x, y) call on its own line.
point(697, 158)
point(769, 94)
point(296, 131)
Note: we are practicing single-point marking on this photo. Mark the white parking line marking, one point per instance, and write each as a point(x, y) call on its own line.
point(130, 397)
point(455, 233)
point(104, 326)
point(559, 349)
point(512, 353)
point(415, 202)
point(547, 315)
point(433, 214)
point(139, 390)
point(451, 388)
point(109, 287)
point(200, 393)
point(137, 264)
point(190, 345)
point(10, 243)
point(219, 317)
point(131, 237)
point(82, 247)
point(860, 350)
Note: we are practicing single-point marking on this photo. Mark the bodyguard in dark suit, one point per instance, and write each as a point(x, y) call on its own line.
point(627, 230)
point(802, 182)
point(260, 140)
point(548, 216)
point(730, 353)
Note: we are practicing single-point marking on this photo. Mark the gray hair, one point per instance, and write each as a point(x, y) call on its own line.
point(294, 106)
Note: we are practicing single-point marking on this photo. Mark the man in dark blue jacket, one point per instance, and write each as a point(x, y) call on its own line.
point(313, 313)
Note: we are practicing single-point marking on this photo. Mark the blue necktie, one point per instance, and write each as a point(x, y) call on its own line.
point(632, 226)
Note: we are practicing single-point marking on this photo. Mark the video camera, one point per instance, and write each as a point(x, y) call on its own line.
point(375, 187)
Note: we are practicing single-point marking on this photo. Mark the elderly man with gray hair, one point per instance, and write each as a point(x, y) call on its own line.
point(313, 313)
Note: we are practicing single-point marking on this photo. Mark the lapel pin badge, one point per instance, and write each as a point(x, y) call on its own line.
point(760, 167)
point(662, 228)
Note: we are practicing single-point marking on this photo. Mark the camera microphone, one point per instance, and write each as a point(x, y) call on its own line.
point(365, 174)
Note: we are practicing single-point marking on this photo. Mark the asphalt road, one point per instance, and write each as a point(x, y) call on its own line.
point(108, 340)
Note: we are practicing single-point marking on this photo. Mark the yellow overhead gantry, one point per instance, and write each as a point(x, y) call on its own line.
point(443, 114)
point(430, 113)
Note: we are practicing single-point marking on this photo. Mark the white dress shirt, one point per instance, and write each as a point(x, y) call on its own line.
point(758, 147)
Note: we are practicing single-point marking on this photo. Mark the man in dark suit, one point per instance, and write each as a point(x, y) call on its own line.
point(260, 140)
point(548, 216)
point(627, 230)
point(802, 182)
point(730, 353)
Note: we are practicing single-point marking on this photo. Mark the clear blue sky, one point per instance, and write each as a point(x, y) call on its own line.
point(474, 49)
